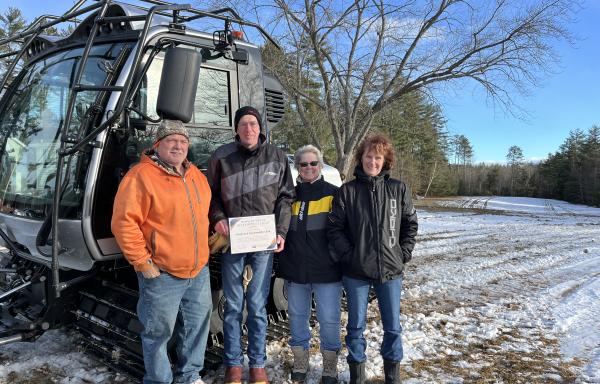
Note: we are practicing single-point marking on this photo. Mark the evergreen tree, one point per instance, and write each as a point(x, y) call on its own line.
point(11, 23)
point(514, 158)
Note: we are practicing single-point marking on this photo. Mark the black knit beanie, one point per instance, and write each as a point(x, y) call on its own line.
point(247, 110)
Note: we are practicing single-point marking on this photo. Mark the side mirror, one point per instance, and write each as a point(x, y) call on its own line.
point(178, 83)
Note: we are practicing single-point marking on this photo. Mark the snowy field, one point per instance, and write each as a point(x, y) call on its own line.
point(500, 290)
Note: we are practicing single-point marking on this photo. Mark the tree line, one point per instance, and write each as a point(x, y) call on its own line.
point(572, 173)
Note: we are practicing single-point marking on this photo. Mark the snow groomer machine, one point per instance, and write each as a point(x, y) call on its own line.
point(75, 114)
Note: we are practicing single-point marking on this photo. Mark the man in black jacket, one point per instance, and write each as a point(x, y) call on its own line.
point(372, 230)
point(248, 177)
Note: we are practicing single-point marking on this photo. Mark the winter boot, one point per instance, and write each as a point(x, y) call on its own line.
point(330, 360)
point(391, 371)
point(300, 364)
point(357, 372)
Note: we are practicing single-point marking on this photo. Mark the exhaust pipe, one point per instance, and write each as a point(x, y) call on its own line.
point(11, 339)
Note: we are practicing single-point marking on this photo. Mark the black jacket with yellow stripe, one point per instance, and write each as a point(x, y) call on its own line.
point(306, 258)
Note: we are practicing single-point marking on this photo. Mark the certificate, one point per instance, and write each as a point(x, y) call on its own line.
point(252, 233)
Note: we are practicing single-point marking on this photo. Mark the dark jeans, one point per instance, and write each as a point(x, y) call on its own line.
point(388, 297)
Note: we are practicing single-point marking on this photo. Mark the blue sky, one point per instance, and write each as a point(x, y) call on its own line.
point(566, 100)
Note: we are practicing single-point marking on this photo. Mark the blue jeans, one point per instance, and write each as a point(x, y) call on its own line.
point(388, 297)
point(232, 267)
point(327, 297)
point(169, 304)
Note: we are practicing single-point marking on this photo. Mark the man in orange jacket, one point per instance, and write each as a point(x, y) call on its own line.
point(160, 221)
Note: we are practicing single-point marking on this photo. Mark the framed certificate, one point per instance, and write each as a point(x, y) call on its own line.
point(252, 233)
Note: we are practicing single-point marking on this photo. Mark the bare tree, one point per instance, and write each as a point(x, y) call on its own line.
point(368, 53)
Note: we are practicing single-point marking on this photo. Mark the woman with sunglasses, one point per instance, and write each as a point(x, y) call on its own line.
point(372, 230)
point(308, 268)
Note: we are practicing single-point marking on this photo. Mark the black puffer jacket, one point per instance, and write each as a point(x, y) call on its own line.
point(247, 183)
point(372, 227)
point(306, 257)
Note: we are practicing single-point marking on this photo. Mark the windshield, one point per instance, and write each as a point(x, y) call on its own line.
point(31, 121)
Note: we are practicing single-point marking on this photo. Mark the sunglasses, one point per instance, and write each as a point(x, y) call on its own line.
point(312, 164)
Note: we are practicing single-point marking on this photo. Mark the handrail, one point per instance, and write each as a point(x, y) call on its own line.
point(75, 11)
point(119, 106)
point(32, 29)
point(55, 266)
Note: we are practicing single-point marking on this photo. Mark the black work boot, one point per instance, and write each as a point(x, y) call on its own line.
point(357, 373)
point(391, 371)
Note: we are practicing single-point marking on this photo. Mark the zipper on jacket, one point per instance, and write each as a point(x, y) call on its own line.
point(196, 189)
point(379, 238)
point(243, 183)
point(194, 223)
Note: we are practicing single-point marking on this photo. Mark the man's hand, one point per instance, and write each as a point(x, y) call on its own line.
point(222, 227)
point(280, 244)
point(152, 272)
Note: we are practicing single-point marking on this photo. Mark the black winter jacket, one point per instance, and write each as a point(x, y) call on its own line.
point(247, 183)
point(372, 227)
point(306, 257)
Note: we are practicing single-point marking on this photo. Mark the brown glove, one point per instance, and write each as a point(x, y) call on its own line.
point(217, 243)
point(247, 277)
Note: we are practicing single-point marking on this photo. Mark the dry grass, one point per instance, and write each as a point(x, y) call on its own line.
point(488, 362)
point(477, 211)
point(432, 205)
point(43, 374)
point(537, 360)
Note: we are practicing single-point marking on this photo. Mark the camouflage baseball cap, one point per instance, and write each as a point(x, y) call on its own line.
point(171, 127)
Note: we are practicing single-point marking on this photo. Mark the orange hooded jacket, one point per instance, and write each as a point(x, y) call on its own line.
point(162, 218)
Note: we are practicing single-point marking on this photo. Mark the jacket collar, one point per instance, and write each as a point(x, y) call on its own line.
point(262, 139)
point(318, 180)
point(360, 174)
point(151, 156)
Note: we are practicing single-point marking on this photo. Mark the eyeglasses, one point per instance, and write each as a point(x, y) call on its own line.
point(305, 164)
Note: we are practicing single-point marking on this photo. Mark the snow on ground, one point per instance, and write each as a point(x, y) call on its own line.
point(499, 290)
point(53, 358)
point(515, 281)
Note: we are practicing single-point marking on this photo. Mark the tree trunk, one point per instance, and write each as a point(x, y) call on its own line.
point(345, 164)
point(431, 178)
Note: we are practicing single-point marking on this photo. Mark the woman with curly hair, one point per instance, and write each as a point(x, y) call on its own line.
point(372, 230)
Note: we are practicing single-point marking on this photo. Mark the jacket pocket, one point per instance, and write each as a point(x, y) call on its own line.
point(347, 258)
point(153, 243)
point(406, 256)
